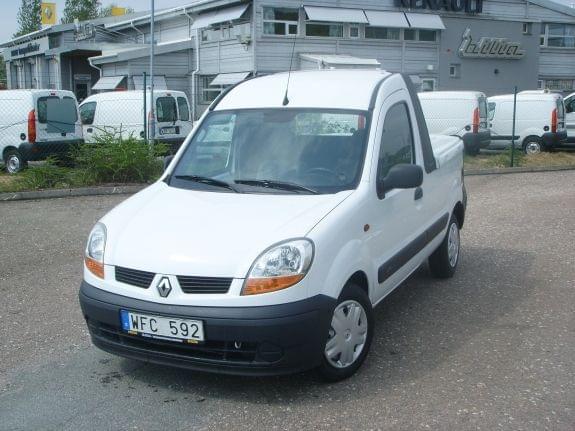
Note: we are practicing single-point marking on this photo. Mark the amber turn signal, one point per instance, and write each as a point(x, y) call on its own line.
point(94, 267)
point(255, 286)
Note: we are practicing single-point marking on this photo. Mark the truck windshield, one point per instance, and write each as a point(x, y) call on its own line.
point(283, 150)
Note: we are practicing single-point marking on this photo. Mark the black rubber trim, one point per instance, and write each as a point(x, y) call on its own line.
point(428, 158)
point(503, 137)
point(375, 92)
point(397, 261)
point(553, 139)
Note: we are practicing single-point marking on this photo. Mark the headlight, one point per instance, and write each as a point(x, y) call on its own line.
point(279, 267)
point(94, 259)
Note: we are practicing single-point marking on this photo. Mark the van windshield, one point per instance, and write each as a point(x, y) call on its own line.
point(318, 150)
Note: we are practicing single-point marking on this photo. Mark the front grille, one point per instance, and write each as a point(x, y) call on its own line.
point(204, 284)
point(226, 351)
point(134, 277)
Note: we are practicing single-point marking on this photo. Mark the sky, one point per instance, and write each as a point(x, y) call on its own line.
point(9, 8)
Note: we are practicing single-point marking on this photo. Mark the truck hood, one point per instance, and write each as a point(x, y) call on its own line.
point(185, 232)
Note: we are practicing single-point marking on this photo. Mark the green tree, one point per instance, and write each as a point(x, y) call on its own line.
point(82, 10)
point(107, 11)
point(29, 17)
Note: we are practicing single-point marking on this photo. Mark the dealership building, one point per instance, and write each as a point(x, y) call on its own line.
point(204, 46)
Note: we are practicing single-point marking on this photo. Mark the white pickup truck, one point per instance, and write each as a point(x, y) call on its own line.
point(294, 207)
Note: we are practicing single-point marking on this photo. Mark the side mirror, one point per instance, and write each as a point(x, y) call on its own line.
point(167, 161)
point(400, 176)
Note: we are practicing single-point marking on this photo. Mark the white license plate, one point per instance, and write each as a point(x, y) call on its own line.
point(170, 328)
point(168, 131)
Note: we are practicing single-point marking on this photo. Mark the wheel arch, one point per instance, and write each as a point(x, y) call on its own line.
point(459, 213)
point(6, 149)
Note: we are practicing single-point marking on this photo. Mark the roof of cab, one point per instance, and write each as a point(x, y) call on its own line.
point(334, 89)
point(460, 95)
point(23, 93)
point(526, 96)
point(127, 95)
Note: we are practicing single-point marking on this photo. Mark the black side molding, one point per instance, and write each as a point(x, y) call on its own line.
point(410, 250)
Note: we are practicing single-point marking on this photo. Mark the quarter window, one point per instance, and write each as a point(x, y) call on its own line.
point(87, 113)
point(324, 29)
point(381, 33)
point(281, 21)
point(396, 139)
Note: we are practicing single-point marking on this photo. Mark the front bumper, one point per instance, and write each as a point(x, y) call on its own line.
point(267, 340)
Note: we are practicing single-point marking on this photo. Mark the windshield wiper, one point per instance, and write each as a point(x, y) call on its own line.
point(207, 180)
point(280, 185)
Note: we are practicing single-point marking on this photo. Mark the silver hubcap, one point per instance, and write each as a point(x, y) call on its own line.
point(532, 148)
point(347, 334)
point(13, 164)
point(453, 244)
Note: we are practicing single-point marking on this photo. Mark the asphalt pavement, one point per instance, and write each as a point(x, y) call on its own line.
point(491, 349)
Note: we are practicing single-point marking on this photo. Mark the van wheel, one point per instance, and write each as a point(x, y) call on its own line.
point(532, 145)
point(14, 161)
point(349, 336)
point(443, 261)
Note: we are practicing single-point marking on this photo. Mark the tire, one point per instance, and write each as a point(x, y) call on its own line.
point(338, 366)
point(532, 145)
point(443, 261)
point(14, 161)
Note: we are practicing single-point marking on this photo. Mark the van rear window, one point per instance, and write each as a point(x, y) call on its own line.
point(166, 110)
point(59, 114)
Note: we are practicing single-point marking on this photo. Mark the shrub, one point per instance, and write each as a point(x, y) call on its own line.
point(45, 176)
point(113, 159)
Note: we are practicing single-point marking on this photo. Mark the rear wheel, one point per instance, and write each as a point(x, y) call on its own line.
point(14, 161)
point(444, 260)
point(532, 145)
point(349, 336)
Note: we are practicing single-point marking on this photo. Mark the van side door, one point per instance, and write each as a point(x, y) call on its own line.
point(570, 118)
point(397, 218)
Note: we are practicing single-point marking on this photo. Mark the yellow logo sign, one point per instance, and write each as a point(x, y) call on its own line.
point(48, 13)
point(118, 11)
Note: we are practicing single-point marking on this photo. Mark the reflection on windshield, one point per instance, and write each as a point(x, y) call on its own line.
point(319, 150)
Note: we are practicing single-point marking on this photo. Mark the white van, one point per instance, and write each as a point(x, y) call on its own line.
point(570, 118)
point(36, 124)
point(291, 216)
point(458, 113)
point(122, 113)
point(539, 124)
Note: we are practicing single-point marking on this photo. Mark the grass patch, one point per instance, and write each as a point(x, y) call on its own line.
point(502, 160)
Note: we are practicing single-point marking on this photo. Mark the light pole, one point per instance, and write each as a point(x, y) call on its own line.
point(152, 121)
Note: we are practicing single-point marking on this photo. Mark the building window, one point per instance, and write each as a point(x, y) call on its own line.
point(558, 35)
point(421, 35)
point(324, 29)
point(559, 84)
point(540, 84)
point(281, 21)
point(209, 94)
point(225, 32)
point(381, 33)
point(354, 31)
point(427, 84)
point(526, 28)
point(455, 70)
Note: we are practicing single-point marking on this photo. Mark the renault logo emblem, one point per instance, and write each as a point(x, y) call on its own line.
point(164, 287)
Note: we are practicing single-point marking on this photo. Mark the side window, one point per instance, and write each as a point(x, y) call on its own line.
point(42, 108)
point(396, 139)
point(166, 110)
point(184, 109)
point(491, 110)
point(87, 113)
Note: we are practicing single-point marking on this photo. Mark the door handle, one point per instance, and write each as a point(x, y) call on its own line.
point(418, 194)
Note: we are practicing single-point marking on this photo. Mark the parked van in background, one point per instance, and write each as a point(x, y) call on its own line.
point(458, 113)
point(570, 118)
point(539, 124)
point(122, 113)
point(35, 124)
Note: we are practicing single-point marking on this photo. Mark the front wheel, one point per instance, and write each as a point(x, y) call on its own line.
point(14, 161)
point(443, 261)
point(349, 336)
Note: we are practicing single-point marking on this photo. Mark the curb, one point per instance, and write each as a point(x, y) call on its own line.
point(131, 189)
point(65, 193)
point(518, 170)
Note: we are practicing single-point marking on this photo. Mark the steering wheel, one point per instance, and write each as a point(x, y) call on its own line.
point(324, 172)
